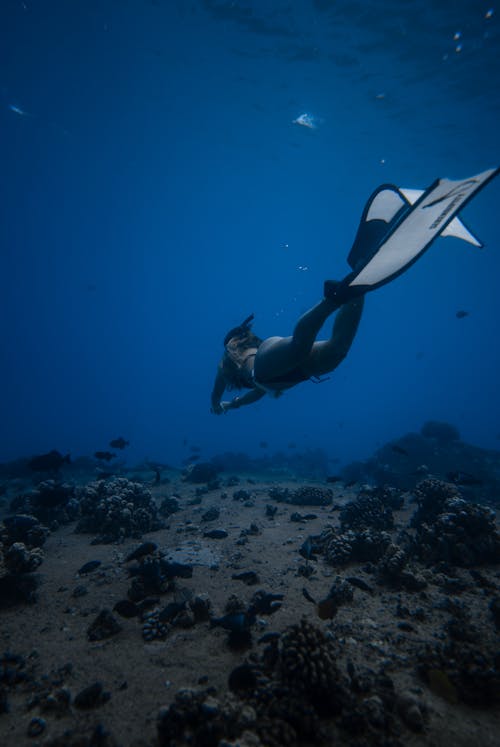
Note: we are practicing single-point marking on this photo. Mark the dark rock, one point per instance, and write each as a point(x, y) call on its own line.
point(242, 679)
point(92, 565)
point(36, 727)
point(494, 608)
point(250, 578)
point(104, 626)
point(340, 593)
point(216, 534)
point(79, 591)
point(91, 696)
point(359, 583)
point(203, 472)
point(169, 506)
point(145, 548)
point(126, 608)
point(212, 514)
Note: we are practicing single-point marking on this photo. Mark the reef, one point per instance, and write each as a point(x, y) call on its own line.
point(368, 510)
point(293, 694)
point(52, 502)
point(340, 548)
point(116, 509)
point(21, 537)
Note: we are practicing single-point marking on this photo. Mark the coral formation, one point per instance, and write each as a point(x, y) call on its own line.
point(116, 509)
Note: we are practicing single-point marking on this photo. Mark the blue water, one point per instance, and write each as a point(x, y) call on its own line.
point(155, 191)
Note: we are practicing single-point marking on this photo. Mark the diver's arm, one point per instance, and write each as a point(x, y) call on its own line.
point(218, 391)
point(247, 399)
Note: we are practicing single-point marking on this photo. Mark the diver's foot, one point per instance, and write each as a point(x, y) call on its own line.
point(330, 289)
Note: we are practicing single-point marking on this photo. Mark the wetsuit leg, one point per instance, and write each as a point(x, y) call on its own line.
point(279, 355)
point(326, 355)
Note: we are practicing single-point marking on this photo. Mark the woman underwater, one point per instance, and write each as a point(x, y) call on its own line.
point(397, 227)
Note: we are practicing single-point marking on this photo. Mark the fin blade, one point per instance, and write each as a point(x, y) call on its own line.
point(413, 229)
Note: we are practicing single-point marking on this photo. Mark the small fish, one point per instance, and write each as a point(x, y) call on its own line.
point(119, 443)
point(263, 444)
point(105, 456)
point(50, 462)
point(399, 450)
point(461, 314)
point(463, 478)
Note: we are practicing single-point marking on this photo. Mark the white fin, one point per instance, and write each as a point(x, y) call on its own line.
point(456, 228)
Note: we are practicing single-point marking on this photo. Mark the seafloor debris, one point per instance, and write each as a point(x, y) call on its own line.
point(306, 495)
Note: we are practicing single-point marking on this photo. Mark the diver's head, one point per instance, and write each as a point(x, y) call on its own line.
point(241, 331)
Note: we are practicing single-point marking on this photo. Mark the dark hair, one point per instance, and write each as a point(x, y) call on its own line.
point(233, 359)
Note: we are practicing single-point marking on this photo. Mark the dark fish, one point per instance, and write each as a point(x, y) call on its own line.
point(333, 478)
point(350, 483)
point(263, 444)
point(191, 458)
point(49, 462)
point(119, 443)
point(461, 313)
point(399, 449)
point(463, 478)
point(292, 445)
point(105, 456)
point(195, 448)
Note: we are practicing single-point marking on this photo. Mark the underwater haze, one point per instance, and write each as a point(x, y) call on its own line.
point(159, 185)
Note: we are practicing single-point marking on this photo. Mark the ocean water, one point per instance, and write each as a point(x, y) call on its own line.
point(156, 190)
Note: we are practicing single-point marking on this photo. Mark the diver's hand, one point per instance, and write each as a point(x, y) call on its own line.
point(219, 408)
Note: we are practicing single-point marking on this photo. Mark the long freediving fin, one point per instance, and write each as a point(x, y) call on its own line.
point(398, 226)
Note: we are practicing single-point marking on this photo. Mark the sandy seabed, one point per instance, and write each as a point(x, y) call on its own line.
point(141, 677)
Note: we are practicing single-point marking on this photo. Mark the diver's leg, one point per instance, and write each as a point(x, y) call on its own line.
point(326, 355)
point(279, 355)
